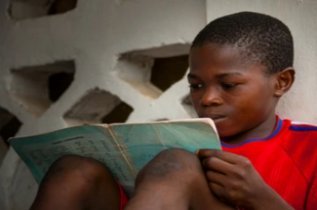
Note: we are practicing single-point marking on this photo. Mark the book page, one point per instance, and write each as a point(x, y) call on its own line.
point(39, 152)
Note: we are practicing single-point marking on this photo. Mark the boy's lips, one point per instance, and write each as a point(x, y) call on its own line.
point(215, 117)
point(219, 118)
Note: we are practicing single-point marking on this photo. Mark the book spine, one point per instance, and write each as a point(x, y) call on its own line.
point(120, 147)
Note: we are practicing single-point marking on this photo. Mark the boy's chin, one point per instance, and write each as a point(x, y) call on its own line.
point(226, 133)
point(230, 136)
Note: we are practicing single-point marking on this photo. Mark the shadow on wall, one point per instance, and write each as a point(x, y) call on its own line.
point(37, 87)
point(152, 71)
point(98, 106)
point(24, 9)
point(9, 126)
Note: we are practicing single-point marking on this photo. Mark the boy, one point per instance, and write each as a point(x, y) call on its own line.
point(240, 65)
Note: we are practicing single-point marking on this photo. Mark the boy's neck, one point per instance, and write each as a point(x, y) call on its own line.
point(261, 131)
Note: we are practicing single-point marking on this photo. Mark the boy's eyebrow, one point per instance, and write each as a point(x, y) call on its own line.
point(230, 74)
point(193, 76)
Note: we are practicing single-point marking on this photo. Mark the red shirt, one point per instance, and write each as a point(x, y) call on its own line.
point(287, 161)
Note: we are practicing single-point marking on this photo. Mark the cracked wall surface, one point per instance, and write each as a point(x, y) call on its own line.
point(68, 62)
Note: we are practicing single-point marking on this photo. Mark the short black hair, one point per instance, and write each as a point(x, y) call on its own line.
point(259, 37)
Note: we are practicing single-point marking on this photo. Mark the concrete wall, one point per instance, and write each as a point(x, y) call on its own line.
point(97, 43)
point(109, 47)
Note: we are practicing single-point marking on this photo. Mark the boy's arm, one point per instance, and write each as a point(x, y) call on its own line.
point(234, 179)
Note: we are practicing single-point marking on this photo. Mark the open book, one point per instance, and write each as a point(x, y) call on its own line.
point(123, 147)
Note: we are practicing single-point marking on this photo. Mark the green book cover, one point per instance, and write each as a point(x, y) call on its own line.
point(123, 147)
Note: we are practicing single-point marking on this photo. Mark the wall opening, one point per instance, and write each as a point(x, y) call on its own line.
point(58, 83)
point(37, 87)
point(98, 106)
point(23, 9)
point(152, 71)
point(119, 114)
point(169, 70)
point(9, 126)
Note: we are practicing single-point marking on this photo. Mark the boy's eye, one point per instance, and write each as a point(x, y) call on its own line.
point(228, 85)
point(195, 86)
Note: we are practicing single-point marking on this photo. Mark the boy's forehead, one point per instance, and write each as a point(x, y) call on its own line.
point(216, 54)
point(224, 59)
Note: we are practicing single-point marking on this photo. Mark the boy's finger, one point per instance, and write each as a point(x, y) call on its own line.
point(223, 155)
point(218, 165)
point(216, 177)
point(204, 153)
point(231, 157)
point(217, 189)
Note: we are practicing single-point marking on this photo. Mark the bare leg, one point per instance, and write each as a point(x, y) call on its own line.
point(173, 180)
point(75, 183)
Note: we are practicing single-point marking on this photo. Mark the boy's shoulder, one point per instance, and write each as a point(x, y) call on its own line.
point(298, 126)
point(297, 139)
point(299, 132)
point(299, 142)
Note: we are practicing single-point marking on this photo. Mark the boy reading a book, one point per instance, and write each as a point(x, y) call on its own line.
point(240, 66)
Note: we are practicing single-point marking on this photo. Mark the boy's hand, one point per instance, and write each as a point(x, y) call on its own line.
point(233, 179)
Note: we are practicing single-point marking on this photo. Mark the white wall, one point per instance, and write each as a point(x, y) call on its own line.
point(97, 31)
point(93, 34)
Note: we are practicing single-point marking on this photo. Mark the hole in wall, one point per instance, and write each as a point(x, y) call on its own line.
point(58, 83)
point(37, 87)
point(98, 106)
point(169, 70)
point(152, 71)
point(23, 9)
point(119, 114)
point(9, 126)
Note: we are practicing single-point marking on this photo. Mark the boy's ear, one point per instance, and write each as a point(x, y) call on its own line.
point(284, 81)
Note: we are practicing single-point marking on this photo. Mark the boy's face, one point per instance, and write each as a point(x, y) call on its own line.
point(237, 95)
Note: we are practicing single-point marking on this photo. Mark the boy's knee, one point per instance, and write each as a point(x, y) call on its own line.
point(171, 162)
point(81, 171)
point(81, 182)
point(177, 159)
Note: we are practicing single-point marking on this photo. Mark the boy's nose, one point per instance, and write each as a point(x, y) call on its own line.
point(211, 97)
